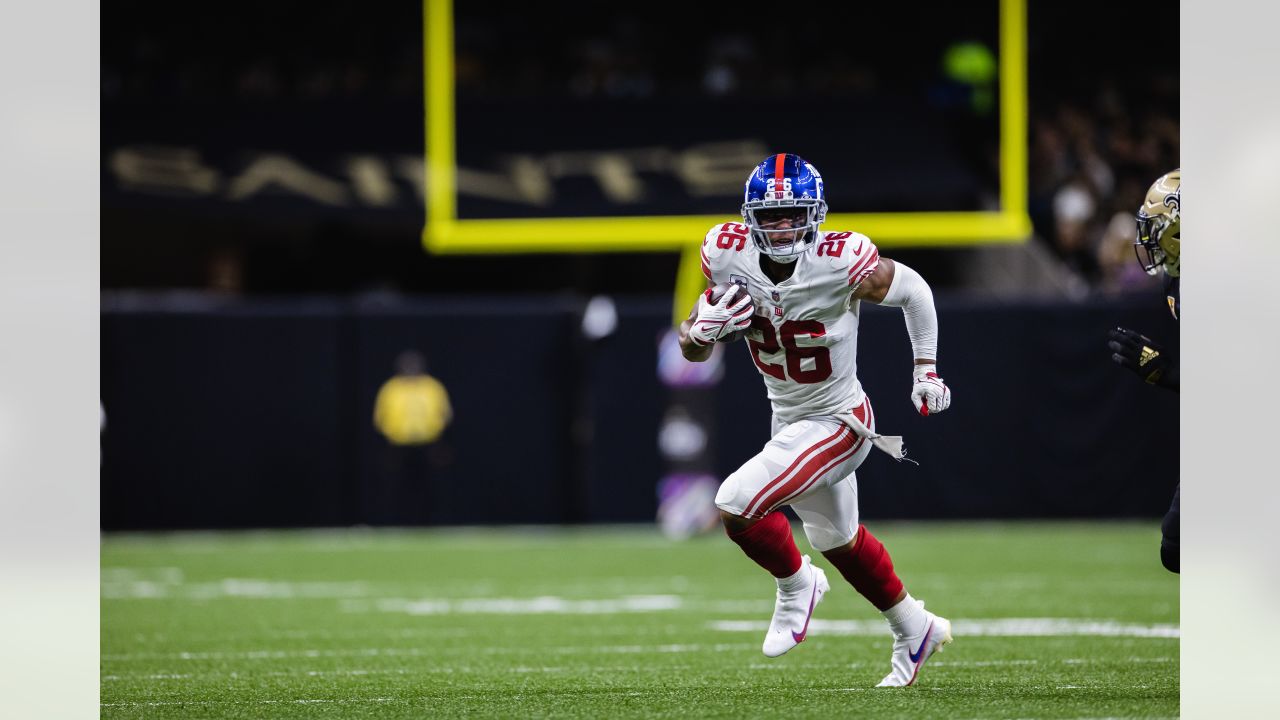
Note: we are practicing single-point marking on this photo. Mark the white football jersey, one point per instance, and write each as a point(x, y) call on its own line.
point(804, 334)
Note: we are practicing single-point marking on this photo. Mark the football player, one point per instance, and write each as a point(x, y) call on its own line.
point(1157, 245)
point(796, 292)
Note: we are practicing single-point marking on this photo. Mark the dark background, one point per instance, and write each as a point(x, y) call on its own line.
point(247, 324)
point(322, 83)
point(259, 414)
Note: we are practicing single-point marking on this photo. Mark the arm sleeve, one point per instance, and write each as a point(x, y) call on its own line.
point(910, 292)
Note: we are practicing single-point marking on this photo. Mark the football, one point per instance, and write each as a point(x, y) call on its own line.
point(718, 292)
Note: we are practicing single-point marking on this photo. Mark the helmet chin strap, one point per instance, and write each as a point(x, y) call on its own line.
point(790, 256)
point(763, 240)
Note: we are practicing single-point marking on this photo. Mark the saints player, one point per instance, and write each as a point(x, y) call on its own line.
point(1157, 245)
point(797, 293)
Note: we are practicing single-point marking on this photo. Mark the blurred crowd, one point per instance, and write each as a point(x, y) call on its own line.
point(1103, 127)
point(620, 61)
point(650, 52)
point(289, 50)
point(283, 50)
point(1091, 165)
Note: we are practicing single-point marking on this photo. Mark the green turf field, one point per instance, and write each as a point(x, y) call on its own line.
point(1051, 621)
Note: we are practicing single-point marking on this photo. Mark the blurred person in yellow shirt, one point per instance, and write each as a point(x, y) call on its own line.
point(411, 411)
point(412, 407)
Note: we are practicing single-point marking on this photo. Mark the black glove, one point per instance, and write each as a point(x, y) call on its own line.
point(1143, 356)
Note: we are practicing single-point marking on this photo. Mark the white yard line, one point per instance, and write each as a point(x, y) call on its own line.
point(1006, 627)
point(131, 586)
point(119, 573)
point(1009, 627)
point(404, 539)
point(677, 648)
point(544, 605)
point(1089, 661)
point(267, 654)
point(166, 703)
point(424, 652)
point(361, 597)
point(519, 669)
point(981, 663)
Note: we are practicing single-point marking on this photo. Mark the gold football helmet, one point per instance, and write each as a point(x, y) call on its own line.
point(1159, 224)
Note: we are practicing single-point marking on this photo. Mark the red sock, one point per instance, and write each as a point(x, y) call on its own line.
point(869, 570)
point(770, 544)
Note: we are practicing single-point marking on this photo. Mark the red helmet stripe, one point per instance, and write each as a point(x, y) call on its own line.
point(777, 171)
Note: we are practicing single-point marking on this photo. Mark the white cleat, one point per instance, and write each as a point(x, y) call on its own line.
point(909, 653)
point(792, 611)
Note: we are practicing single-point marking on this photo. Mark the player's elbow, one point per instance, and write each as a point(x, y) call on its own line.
point(908, 290)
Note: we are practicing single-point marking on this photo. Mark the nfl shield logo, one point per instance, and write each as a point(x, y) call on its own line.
point(776, 296)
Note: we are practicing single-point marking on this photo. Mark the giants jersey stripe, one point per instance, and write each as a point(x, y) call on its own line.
point(861, 263)
point(865, 267)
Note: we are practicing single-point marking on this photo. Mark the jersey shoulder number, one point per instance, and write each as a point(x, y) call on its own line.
point(851, 254)
point(721, 244)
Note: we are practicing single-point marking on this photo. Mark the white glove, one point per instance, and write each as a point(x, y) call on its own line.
point(929, 394)
point(713, 322)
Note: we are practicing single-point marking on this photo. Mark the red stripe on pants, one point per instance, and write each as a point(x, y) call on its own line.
point(785, 475)
point(810, 470)
point(813, 471)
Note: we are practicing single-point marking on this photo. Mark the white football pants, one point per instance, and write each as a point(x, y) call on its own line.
point(809, 465)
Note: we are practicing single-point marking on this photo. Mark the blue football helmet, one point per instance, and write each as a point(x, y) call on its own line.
point(784, 187)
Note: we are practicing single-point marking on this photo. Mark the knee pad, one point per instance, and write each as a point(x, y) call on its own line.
point(830, 514)
point(823, 535)
point(739, 490)
point(727, 496)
